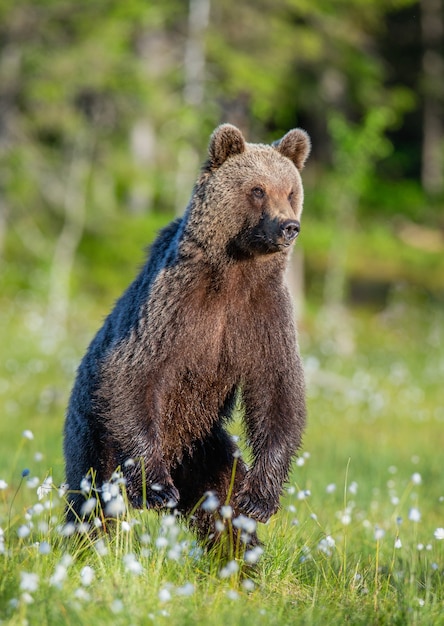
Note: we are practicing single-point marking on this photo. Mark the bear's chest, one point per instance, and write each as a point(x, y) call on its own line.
point(211, 324)
point(220, 325)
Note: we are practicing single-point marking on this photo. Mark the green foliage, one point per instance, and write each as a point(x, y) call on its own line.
point(375, 254)
point(97, 130)
point(118, 252)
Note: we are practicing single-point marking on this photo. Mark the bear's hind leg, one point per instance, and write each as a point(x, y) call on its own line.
point(209, 470)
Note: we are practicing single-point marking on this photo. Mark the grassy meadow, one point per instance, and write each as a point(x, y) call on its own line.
point(359, 538)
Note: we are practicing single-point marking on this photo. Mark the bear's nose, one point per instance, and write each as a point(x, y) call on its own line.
point(290, 229)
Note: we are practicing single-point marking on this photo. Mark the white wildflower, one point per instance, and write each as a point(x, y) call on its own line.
point(245, 523)
point(439, 533)
point(37, 509)
point(416, 478)
point(253, 555)
point(346, 518)
point(353, 488)
point(226, 511)
point(186, 590)
point(303, 494)
point(27, 598)
point(398, 543)
point(101, 547)
point(161, 542)
point(68, 529)
point(43, 527)
point(115, 507)
point(230, 568)
point(45, 488)
point(164, 595)
point(210, 503)
point(331, 488)
point(219, 526)
point(29, 582)
point(82, 594)
point(414, 514)
point(168, 521)
point(175, 553)
point(3, 485)
point(59, 576)
point(326, 545)
point(33, 482)
point(86, 575)
point(83, 528)
point(88, 506)
point(379, 533)
point(23, 531)
point(132, 564)
point(85, 485)
point(117, 606)
point(28, 434)
point(248, 584)
point(44, 547)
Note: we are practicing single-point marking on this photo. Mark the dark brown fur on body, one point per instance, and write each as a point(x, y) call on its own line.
point(209, 314)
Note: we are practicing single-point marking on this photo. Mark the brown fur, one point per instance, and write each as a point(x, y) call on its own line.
point(217, 318)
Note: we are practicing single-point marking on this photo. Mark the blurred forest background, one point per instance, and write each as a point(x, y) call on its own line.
point(105, 112)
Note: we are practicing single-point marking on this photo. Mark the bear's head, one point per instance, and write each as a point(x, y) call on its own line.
point(249, 197)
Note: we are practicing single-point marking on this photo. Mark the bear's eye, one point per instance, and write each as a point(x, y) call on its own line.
point(258, 192)
point(290, 196)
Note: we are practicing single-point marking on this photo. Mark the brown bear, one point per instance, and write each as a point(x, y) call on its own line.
point(209, 319)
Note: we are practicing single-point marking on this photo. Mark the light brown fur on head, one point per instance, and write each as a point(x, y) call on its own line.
point(226, 193)
point(227, 141)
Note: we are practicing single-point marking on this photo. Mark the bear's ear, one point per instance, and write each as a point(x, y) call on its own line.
point(226, 141)
point(295, 145)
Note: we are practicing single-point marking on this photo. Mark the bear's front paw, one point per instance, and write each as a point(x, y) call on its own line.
point(158, 496)
point(256, 507)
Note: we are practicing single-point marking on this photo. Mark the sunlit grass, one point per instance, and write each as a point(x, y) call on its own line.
point(360, 535)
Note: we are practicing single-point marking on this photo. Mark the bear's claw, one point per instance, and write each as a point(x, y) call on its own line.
point(158, 497)
point(259, 510)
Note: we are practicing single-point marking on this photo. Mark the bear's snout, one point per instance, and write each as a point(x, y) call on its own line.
point(290, 230)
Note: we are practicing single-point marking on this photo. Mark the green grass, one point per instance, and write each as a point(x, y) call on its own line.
point(344, 548)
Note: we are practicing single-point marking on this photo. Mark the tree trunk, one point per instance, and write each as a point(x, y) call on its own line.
point(66, 246)
point(193, 95)
point(432, 31)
